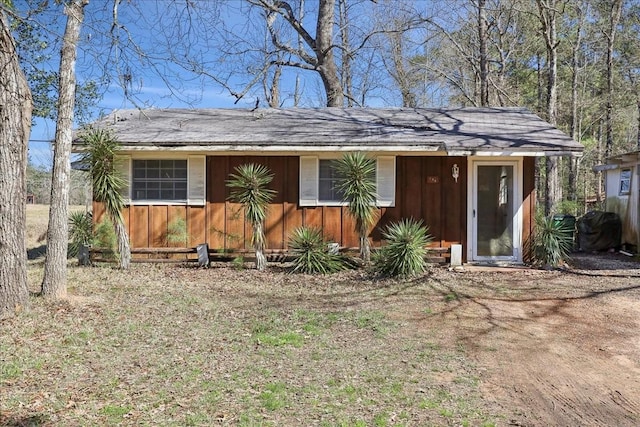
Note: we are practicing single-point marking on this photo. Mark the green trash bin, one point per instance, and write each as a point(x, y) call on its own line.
point(568, 224)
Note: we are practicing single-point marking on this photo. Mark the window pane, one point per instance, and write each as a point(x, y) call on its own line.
point(328, 178)
point(625, 181)
point(153, 172)
point(180, 172)
point(139, 172)
point(324, 190)
point(181, 194)
point(159, 180)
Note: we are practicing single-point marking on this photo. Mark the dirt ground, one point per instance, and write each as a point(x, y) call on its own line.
point(482, 346)
point(562, 351)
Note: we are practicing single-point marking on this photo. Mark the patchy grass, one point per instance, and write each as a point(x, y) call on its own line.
point(174, 345)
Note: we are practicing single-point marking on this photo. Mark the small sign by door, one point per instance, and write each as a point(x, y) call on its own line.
point(433, 179)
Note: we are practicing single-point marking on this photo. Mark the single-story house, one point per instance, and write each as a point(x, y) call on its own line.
point(622, 194)
point(467, 173)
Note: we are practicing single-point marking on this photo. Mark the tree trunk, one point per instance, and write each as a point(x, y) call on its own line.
point(15, 126)
point(347, 79)
point(258, 236)
point(365, 249)
point(614, 18)
point(548, 17)
point(54, 283)
point(573, 162)
point(124, 250)
point(324, 51)
point(638, 136)
point(484, 62)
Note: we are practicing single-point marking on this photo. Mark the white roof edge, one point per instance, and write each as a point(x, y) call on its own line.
point(512, 153)
point(287, 149)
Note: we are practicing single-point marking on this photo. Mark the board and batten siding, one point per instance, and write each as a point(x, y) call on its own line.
point(424, 189)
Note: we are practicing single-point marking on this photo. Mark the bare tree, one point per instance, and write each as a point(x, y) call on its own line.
point(345, 71)
point(575, 64)
point(402, 63)
point(484, 60)
point(610, 35)
point(318, 54)
point(549, 10)
point(54, 283)
point(15, 119)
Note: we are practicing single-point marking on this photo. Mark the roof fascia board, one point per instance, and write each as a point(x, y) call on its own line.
point(294, 150)
point(510, 153)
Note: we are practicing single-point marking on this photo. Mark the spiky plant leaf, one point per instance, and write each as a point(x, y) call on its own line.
point(80, 231)
point(101, 147)
point(249, 187)
point(405, 249)
point(552, 241)
point(311, 254)
point(357, 184)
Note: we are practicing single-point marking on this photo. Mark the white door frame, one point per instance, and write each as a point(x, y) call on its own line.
point(472, 201)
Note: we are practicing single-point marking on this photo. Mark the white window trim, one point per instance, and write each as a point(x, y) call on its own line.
point(310, 176)
point(196, 180)
point(627, 179)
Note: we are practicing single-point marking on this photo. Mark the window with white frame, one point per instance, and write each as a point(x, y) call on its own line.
point(318, 180)
point(159, 180)
point(163, 181)
point(625, 181)
point(328, 178)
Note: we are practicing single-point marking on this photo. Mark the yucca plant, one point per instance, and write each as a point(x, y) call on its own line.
point(101, 147)
point(80, 231)
point(249, 187)
point(357, 184)
point(405, 249)
point(311, 253)
point(552, 241)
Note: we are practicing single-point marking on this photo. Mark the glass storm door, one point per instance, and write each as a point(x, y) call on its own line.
point(494, 213)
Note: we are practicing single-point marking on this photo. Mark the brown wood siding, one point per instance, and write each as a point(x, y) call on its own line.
point(158, 223)
point(196, 218)
point(217, 173)
point(290, 188)
point(454, 209)
point(99, 212)
point(528, 206)
point(425, 190)
point(432, 196)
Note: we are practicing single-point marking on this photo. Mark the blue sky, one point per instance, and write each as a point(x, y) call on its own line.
point(160, 29)
point(149, 89)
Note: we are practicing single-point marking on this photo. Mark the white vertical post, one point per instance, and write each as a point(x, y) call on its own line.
point(456, 255)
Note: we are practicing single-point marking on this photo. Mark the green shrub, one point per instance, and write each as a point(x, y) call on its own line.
point(80, 231)
point(238, 262)
point(311, 253)
point(552, 241)
point(104, 237)
point(405, 249)
point(177, 232)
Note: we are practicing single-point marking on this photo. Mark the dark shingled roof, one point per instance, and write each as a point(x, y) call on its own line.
point(454, 130)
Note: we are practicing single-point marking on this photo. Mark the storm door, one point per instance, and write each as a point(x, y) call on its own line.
point(494, 211)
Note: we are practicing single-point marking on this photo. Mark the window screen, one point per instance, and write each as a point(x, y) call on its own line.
point(159, 180)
